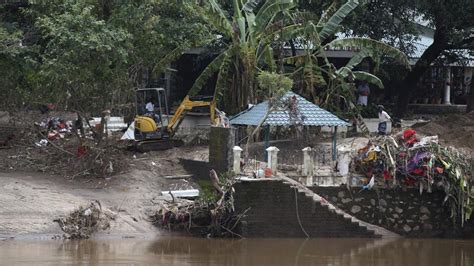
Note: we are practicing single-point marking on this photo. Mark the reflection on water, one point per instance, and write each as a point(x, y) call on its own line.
point(196, 251)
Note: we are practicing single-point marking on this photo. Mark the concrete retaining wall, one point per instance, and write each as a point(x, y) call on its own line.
point(405, 212)
point(273, 212)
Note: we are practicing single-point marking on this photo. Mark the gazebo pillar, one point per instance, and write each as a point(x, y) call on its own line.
point(334, 144)
point(447, 87)
point(266, 133)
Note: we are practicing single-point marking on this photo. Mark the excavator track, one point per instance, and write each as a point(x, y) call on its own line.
point(157, 145)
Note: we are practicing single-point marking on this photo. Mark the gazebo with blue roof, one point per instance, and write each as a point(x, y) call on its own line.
point(306, 114)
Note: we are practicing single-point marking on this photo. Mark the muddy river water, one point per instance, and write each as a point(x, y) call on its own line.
point(195, 251)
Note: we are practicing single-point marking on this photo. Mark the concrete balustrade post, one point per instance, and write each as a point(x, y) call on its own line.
point(343, 162)
point(308, 167)
point(272, 152)
point(307, 162)
point(237, 153)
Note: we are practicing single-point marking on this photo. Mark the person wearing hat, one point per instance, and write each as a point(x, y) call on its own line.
point(383, 119)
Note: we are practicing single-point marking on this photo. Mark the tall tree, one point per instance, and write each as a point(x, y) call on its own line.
point(91, 51)
point(394, 21)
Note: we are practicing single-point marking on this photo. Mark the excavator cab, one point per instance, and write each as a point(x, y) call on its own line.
point(152, 114)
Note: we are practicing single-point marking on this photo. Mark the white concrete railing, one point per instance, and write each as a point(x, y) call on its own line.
point(236, 160)
point(272, 153)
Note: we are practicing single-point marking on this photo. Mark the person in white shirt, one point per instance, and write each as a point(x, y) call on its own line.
point(150, 110)
point(150, 107)
point(383, 119)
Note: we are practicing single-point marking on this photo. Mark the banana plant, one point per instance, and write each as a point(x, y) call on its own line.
point(318, 78)
point(256, 26)
point(250, 31)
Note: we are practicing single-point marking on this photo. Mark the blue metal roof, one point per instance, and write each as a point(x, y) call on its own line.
point(306, 113)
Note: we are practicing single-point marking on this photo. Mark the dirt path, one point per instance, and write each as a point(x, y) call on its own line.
point(30, 201)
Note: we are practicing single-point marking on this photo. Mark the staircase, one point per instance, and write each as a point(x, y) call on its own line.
point(377, 231)
point(325, 176)
point(361, 124)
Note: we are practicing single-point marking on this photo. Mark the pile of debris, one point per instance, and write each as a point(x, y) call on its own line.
point(70, 148)
point(407, 160)
point(84, 221)
point(210, 217)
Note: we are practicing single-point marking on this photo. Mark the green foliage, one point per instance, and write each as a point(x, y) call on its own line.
point(388, 20)
point(273, 86)
point(92, 53)
point(10, 42)
point(83, 56)
point(456, 182)
point(248, 47)
point(332, 25)
point(317, 77)
point(15, 65)
point(369, 111)
point(370, 48)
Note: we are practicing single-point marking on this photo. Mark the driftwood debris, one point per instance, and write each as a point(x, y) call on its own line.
point(214, 217)
point(84, 221)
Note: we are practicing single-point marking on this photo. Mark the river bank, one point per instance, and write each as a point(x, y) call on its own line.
point(30, 201)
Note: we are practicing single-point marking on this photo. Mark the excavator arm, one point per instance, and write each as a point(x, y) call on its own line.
point(186, 105)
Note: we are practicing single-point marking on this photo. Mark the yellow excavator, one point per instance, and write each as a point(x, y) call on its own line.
point(154, 129)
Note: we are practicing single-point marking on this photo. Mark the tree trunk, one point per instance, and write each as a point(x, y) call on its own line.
point(470, 100)
point(409, 84)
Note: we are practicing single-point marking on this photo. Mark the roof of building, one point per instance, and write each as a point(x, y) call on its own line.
point(305, 113)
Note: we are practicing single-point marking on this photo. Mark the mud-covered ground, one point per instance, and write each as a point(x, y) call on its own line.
point(30, 201)
point(455, 130)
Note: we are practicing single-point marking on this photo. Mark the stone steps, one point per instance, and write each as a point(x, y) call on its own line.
point(370, 228)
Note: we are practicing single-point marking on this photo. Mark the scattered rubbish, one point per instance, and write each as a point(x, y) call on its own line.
point(177, 176)
point(268, 172)
point(188, 193)
point(42, 143)
point(130, 133)
point(61, 146)
point(113, 123)
point(369, 185)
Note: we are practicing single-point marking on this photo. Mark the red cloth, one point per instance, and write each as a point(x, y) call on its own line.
point(408, 133)
point(409, 181)
point(387, 175)
point(409, 136)
point(81, 151)
point(418, 171)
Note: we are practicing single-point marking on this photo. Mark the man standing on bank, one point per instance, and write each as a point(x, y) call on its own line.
point(383, 119)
